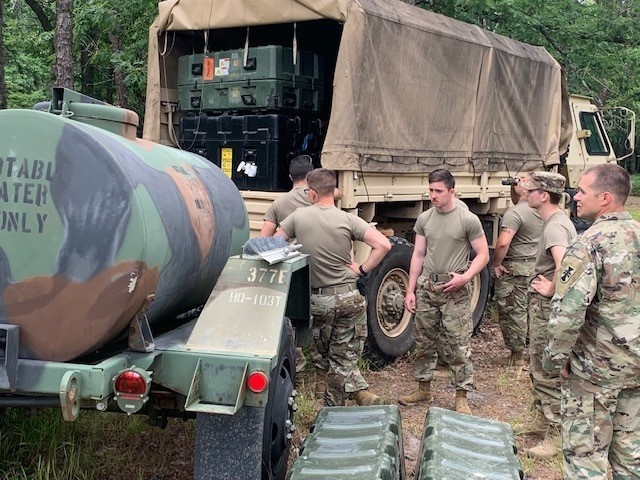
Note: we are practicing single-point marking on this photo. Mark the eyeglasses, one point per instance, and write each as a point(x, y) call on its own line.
point(306, 190)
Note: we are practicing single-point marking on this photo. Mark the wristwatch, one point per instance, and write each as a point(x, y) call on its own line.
point(362, 272)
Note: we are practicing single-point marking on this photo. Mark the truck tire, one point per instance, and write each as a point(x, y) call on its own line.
point(255, 442)
point(480, 292)
point(280, 409)
point(390, 325)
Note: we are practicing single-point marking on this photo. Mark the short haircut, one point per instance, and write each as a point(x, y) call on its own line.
point(322, 180)
point(443, 175)
point(300, 166)
point(612, 178)
point(554, 198)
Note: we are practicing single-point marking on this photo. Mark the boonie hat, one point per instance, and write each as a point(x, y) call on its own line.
point(547, 181)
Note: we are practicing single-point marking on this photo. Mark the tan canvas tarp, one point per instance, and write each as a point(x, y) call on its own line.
point(412, 89)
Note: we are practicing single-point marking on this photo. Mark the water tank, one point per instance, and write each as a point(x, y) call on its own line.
point(93, 222)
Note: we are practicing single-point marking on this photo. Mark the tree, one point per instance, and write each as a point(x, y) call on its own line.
point(3, 85)
point(63, 44)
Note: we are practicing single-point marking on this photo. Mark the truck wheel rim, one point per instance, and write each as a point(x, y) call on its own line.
point(392, 316)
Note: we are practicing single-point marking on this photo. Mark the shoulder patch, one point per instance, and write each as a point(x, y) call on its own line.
point(567, 273)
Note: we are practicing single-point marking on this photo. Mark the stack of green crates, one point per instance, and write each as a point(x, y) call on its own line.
point(355, 443)
point(221, 81)
point(462, 447)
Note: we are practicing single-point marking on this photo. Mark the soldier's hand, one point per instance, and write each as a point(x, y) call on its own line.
point(410, 302)
point(500, 270)
point(456, 283)
point(543, 286)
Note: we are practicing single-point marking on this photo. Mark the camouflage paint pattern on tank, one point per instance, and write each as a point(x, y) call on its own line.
point(91, 223)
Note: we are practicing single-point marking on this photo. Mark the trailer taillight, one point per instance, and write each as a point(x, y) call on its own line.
point(130, 383)
point(257, 382)
point(131, 388)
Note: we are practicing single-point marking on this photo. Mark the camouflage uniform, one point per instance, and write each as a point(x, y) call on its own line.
point(511, 288)
point(595, 323)
point(339, 331)
point(443, 323)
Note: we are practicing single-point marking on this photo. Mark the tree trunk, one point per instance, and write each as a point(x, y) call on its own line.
point(118, 74)
point(63, 43)
point(3, 85)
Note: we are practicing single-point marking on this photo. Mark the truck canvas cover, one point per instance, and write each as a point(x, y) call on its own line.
point(412, 90)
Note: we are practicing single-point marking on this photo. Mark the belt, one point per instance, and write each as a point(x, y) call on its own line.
point(334, 289)
point(439, 277)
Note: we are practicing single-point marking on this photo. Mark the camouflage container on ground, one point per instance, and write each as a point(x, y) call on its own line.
point(95, 222)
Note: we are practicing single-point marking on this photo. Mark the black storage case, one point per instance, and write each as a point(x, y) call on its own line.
point(267, 141)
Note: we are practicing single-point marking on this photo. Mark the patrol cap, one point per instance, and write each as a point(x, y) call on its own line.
point(547, 181)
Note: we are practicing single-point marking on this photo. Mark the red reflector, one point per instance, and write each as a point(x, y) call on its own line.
point(131, 382)
point(257, 382)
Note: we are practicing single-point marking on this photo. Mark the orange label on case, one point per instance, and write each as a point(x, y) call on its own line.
point(207, 68)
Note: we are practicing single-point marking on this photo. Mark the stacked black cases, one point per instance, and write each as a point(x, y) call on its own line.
point(253, 150)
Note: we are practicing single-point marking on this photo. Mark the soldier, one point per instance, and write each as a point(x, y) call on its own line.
point(438, 291)
point(338, 308)
point(280, 209)
point(513, 260)
point(284, 205)
point(593, 333)
point(545, 190)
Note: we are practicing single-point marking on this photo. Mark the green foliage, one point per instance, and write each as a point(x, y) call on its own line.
point(597, 43)
point(635, 184)
point(29, 56)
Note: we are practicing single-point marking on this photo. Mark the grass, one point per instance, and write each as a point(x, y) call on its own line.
point(40, 445)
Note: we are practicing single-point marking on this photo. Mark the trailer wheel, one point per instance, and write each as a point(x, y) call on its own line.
point(280, 409)
point(390, 325)
point(255, 442)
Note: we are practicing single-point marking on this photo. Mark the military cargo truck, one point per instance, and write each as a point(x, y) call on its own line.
point(125, 286)
point(403, 91)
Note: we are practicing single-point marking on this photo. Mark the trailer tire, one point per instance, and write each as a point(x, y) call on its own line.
point(390, 325)
point(255, 441)
point(280, 409)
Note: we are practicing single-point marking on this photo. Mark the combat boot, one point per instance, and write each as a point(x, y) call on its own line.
point(321, 380)
point(548, 448)
point(538, 427)
point(423, 394)
point(516, 359)
point(366, 398)
point(461, 402)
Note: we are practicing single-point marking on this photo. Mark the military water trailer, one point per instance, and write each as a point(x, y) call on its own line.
point(123, 287)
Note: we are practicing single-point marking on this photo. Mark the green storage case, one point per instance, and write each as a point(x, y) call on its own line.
point(460, 447)
point(352, 443)
point(269, 80)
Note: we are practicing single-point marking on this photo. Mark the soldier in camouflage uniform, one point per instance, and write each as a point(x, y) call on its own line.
point(438, 291)
point(545, 190)
point(338, 308)
point(594, 336)
point(513, 260)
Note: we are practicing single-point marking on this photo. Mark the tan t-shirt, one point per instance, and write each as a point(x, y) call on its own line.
point(558, 230)
point(286, 204)
point(326, 233)
point(449, 236)
point(527, 224)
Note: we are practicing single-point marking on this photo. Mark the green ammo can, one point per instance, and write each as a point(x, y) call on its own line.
point(352, 443)
point(463, 447)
